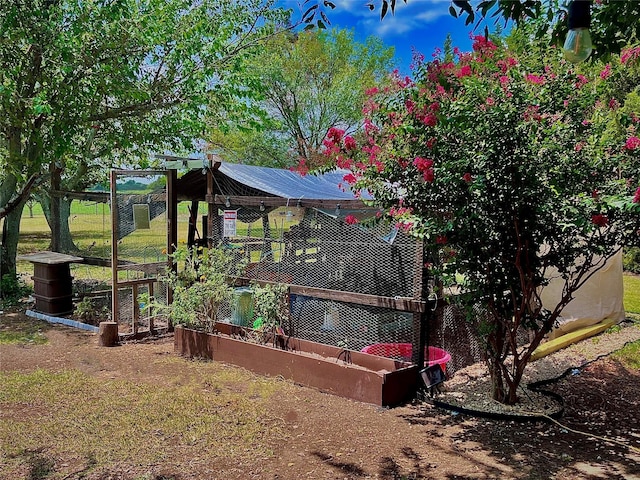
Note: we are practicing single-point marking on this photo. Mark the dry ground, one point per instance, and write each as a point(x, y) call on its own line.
point(311, 435)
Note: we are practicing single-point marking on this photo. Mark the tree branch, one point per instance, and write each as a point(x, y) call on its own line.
point(22, 195)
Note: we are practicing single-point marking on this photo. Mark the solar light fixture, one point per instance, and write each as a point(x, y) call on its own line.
point(577, 46)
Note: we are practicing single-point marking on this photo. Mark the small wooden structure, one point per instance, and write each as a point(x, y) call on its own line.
point(52, 282)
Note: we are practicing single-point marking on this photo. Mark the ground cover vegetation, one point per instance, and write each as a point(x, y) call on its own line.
point(514, 167)
point(88, 85)
point(138, 412)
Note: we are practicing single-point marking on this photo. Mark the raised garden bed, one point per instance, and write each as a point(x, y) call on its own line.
point(366, 378)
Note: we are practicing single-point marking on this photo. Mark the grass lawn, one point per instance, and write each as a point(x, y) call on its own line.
point(632, 293)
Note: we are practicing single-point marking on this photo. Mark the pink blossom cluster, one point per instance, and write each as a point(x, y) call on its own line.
point(629, 54)
point(483, 45)
point(632, 143)
point(535, 79)
point(506, 65)
point(350, 220)
point(599, 220)
point(606, 73)
point(425, 166)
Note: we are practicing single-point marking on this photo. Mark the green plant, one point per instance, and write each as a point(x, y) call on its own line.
point(631, 259)
point(630, 355)
point(271, 309)
point(85, 310)
point(12, 289)
point(200, 284)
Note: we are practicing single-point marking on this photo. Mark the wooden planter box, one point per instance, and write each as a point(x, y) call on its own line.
point(368, 378)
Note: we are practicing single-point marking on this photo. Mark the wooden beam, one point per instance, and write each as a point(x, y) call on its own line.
point(292, 202)
point(404, 304)
point(98, 197)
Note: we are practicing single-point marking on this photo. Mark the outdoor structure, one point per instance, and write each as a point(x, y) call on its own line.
point(351, 285)
point(354, 287)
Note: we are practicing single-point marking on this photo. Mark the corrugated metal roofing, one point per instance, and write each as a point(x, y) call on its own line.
point(288, 184)
point(250, 180)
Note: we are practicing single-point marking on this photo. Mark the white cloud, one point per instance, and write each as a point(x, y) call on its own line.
point(414, 15)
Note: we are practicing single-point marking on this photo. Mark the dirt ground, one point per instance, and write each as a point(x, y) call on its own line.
point(333, 438)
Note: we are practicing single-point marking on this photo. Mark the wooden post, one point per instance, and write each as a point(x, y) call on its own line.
point(108, 334)
point(136, 309)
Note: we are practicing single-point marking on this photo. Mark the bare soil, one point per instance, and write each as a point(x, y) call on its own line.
point(328, 437)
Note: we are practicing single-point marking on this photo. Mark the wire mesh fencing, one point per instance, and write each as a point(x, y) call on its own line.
point(140, 254)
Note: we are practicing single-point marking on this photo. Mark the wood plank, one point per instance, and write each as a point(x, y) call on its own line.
point(282, 202)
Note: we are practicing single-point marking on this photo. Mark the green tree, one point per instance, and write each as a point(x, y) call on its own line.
point(84, 85)
point(510, 167)
point(308, 82)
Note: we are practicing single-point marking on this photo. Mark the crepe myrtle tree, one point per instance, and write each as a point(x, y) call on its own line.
point(509, 168)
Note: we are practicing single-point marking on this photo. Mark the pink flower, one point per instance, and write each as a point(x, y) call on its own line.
point(371, 92)
point(467, 177)
point(599, 220)
point(441, 240)
point(410, 105)
point(582, 80)
point(350, 220)
point(606, 73)
point(423, 164)
point(349, 143)
point(636, 197)
point(535, 79)
point(350, 178)
point(629, 54)
point(335, 134)
point(483, 44)
point(302, 168)
point(343, 162)
point(632, 143)
point(430, 120)
point(613, 104)
point(465, 71)
point(490, 101)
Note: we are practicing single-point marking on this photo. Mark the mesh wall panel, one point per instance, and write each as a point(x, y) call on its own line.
point(315, 248)
point(347, 325)
point(322, 251)
point(141, 248)
point(452, 331)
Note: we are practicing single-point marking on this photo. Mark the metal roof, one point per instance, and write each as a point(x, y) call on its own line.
point(250, 180)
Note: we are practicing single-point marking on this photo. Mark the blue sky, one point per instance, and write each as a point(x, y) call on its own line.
point(423, 24)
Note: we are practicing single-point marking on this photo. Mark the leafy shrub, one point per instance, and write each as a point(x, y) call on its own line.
point(12, 289)
point(631, 260)
point(201, 285)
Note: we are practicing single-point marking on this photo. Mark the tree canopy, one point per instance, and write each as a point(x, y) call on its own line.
point(307, 83)
point(83, 83)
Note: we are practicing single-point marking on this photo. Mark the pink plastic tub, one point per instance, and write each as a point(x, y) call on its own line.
point(403, 352)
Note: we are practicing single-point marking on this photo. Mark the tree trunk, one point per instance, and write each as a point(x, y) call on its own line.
point(108, 334)
point(10, 237)
point(52, 206)
point(54, 210)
